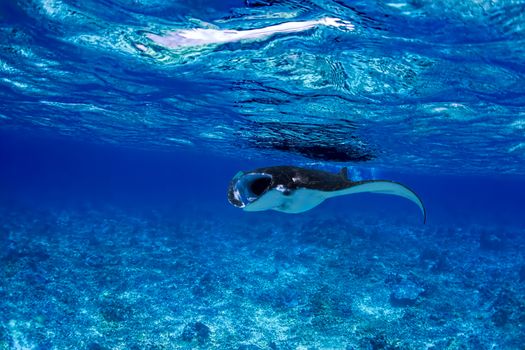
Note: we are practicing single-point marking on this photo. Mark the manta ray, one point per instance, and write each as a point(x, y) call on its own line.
point(291, 189)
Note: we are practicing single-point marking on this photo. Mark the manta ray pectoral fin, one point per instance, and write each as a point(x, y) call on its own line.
point(385, 187)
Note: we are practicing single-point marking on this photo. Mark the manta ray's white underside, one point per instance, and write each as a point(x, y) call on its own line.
point(304, 199)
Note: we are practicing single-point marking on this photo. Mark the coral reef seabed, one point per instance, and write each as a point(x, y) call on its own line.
point(109, 278)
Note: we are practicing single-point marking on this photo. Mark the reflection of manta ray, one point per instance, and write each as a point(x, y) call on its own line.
point(205, 36)
point(295, 190)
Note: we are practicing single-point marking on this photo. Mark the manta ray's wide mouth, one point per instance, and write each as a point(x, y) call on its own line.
point(247, 188)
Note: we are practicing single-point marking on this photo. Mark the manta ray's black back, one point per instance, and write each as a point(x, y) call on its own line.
point(293, 178)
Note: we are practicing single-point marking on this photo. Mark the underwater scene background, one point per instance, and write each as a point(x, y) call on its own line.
point(122, 123)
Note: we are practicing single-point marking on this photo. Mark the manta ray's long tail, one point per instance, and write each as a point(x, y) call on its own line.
point(386, 187)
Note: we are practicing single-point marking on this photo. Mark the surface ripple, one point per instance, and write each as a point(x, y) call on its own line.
point(430, 86)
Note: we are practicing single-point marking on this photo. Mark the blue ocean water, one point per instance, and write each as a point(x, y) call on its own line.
point(122, 123)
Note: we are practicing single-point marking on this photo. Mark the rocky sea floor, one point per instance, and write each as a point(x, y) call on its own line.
point(108, 278)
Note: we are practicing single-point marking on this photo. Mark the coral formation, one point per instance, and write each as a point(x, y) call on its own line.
point(108, 278)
